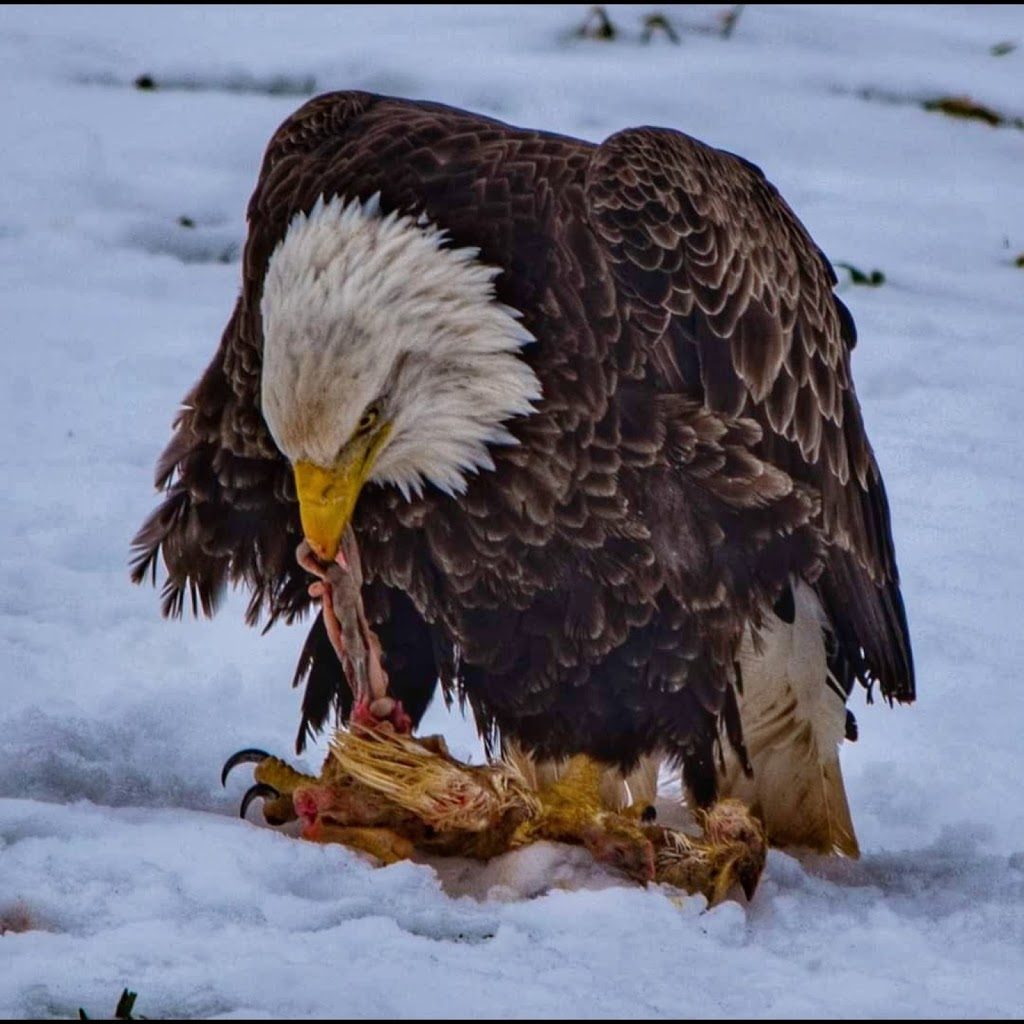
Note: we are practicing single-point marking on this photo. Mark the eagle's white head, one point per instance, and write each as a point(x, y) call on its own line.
point(386, 357)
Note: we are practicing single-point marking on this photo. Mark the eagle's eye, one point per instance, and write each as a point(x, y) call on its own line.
point(368, 420)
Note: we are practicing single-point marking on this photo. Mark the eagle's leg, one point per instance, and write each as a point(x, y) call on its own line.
point(573, 810)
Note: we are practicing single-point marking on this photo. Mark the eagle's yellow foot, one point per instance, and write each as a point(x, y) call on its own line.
point(275, 782)
point(334, 808)
point(572, 811)
point(731, 853)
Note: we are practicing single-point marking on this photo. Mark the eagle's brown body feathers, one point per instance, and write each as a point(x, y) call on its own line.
point(698, 445)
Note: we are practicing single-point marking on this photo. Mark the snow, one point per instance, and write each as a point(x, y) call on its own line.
point(121, 860)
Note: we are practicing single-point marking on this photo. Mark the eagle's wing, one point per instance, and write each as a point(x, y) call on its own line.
point(738, 303)
point(228, 514)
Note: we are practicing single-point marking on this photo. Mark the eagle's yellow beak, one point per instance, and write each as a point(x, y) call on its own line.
point(327, 497)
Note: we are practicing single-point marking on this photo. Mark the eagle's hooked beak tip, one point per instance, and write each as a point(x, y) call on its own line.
point(321, 550)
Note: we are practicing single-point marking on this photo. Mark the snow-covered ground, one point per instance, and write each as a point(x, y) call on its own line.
point(121, 860)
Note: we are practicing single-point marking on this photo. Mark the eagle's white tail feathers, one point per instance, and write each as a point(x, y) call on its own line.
point(793, 724)
point(618, 791)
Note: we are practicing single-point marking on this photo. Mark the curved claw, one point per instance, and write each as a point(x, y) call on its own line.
point(251, 755)
point(260, 789)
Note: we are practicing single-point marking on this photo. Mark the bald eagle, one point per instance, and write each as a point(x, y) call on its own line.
point(589, 412)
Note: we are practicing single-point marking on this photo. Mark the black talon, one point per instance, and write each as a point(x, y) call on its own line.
point(260, 789)
point(251, 755)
